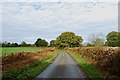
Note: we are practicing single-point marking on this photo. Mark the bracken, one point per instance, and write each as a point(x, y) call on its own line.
point(105, 58)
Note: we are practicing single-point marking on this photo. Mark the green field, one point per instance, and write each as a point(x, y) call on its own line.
point(9, 50)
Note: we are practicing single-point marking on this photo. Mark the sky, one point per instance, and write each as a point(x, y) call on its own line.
point(27, 21)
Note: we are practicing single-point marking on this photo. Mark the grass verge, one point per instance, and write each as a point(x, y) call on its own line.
point(90, 70)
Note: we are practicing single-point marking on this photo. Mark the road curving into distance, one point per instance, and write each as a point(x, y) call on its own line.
point(62, 68)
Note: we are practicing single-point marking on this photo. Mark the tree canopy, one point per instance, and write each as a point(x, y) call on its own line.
point(113, 39)
point(41, 42)
point(68, 39)
point(52, 43)
point(96, 40)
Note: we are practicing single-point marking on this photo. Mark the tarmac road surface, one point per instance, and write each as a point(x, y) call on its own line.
point(62, 68)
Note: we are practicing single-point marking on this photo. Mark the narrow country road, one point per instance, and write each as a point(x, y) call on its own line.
point(63, 67)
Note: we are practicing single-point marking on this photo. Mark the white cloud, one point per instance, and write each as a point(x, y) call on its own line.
point(48, 20)
point(60, 1)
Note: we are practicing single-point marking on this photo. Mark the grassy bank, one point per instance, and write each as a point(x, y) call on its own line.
point(29, 66)
point(90, 70)
point(9, 50)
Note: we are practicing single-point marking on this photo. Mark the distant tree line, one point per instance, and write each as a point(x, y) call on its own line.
point(69, 39)
point(22, 44)
point(38, 43)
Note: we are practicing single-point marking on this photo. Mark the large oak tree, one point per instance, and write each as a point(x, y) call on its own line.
point(68, 39)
